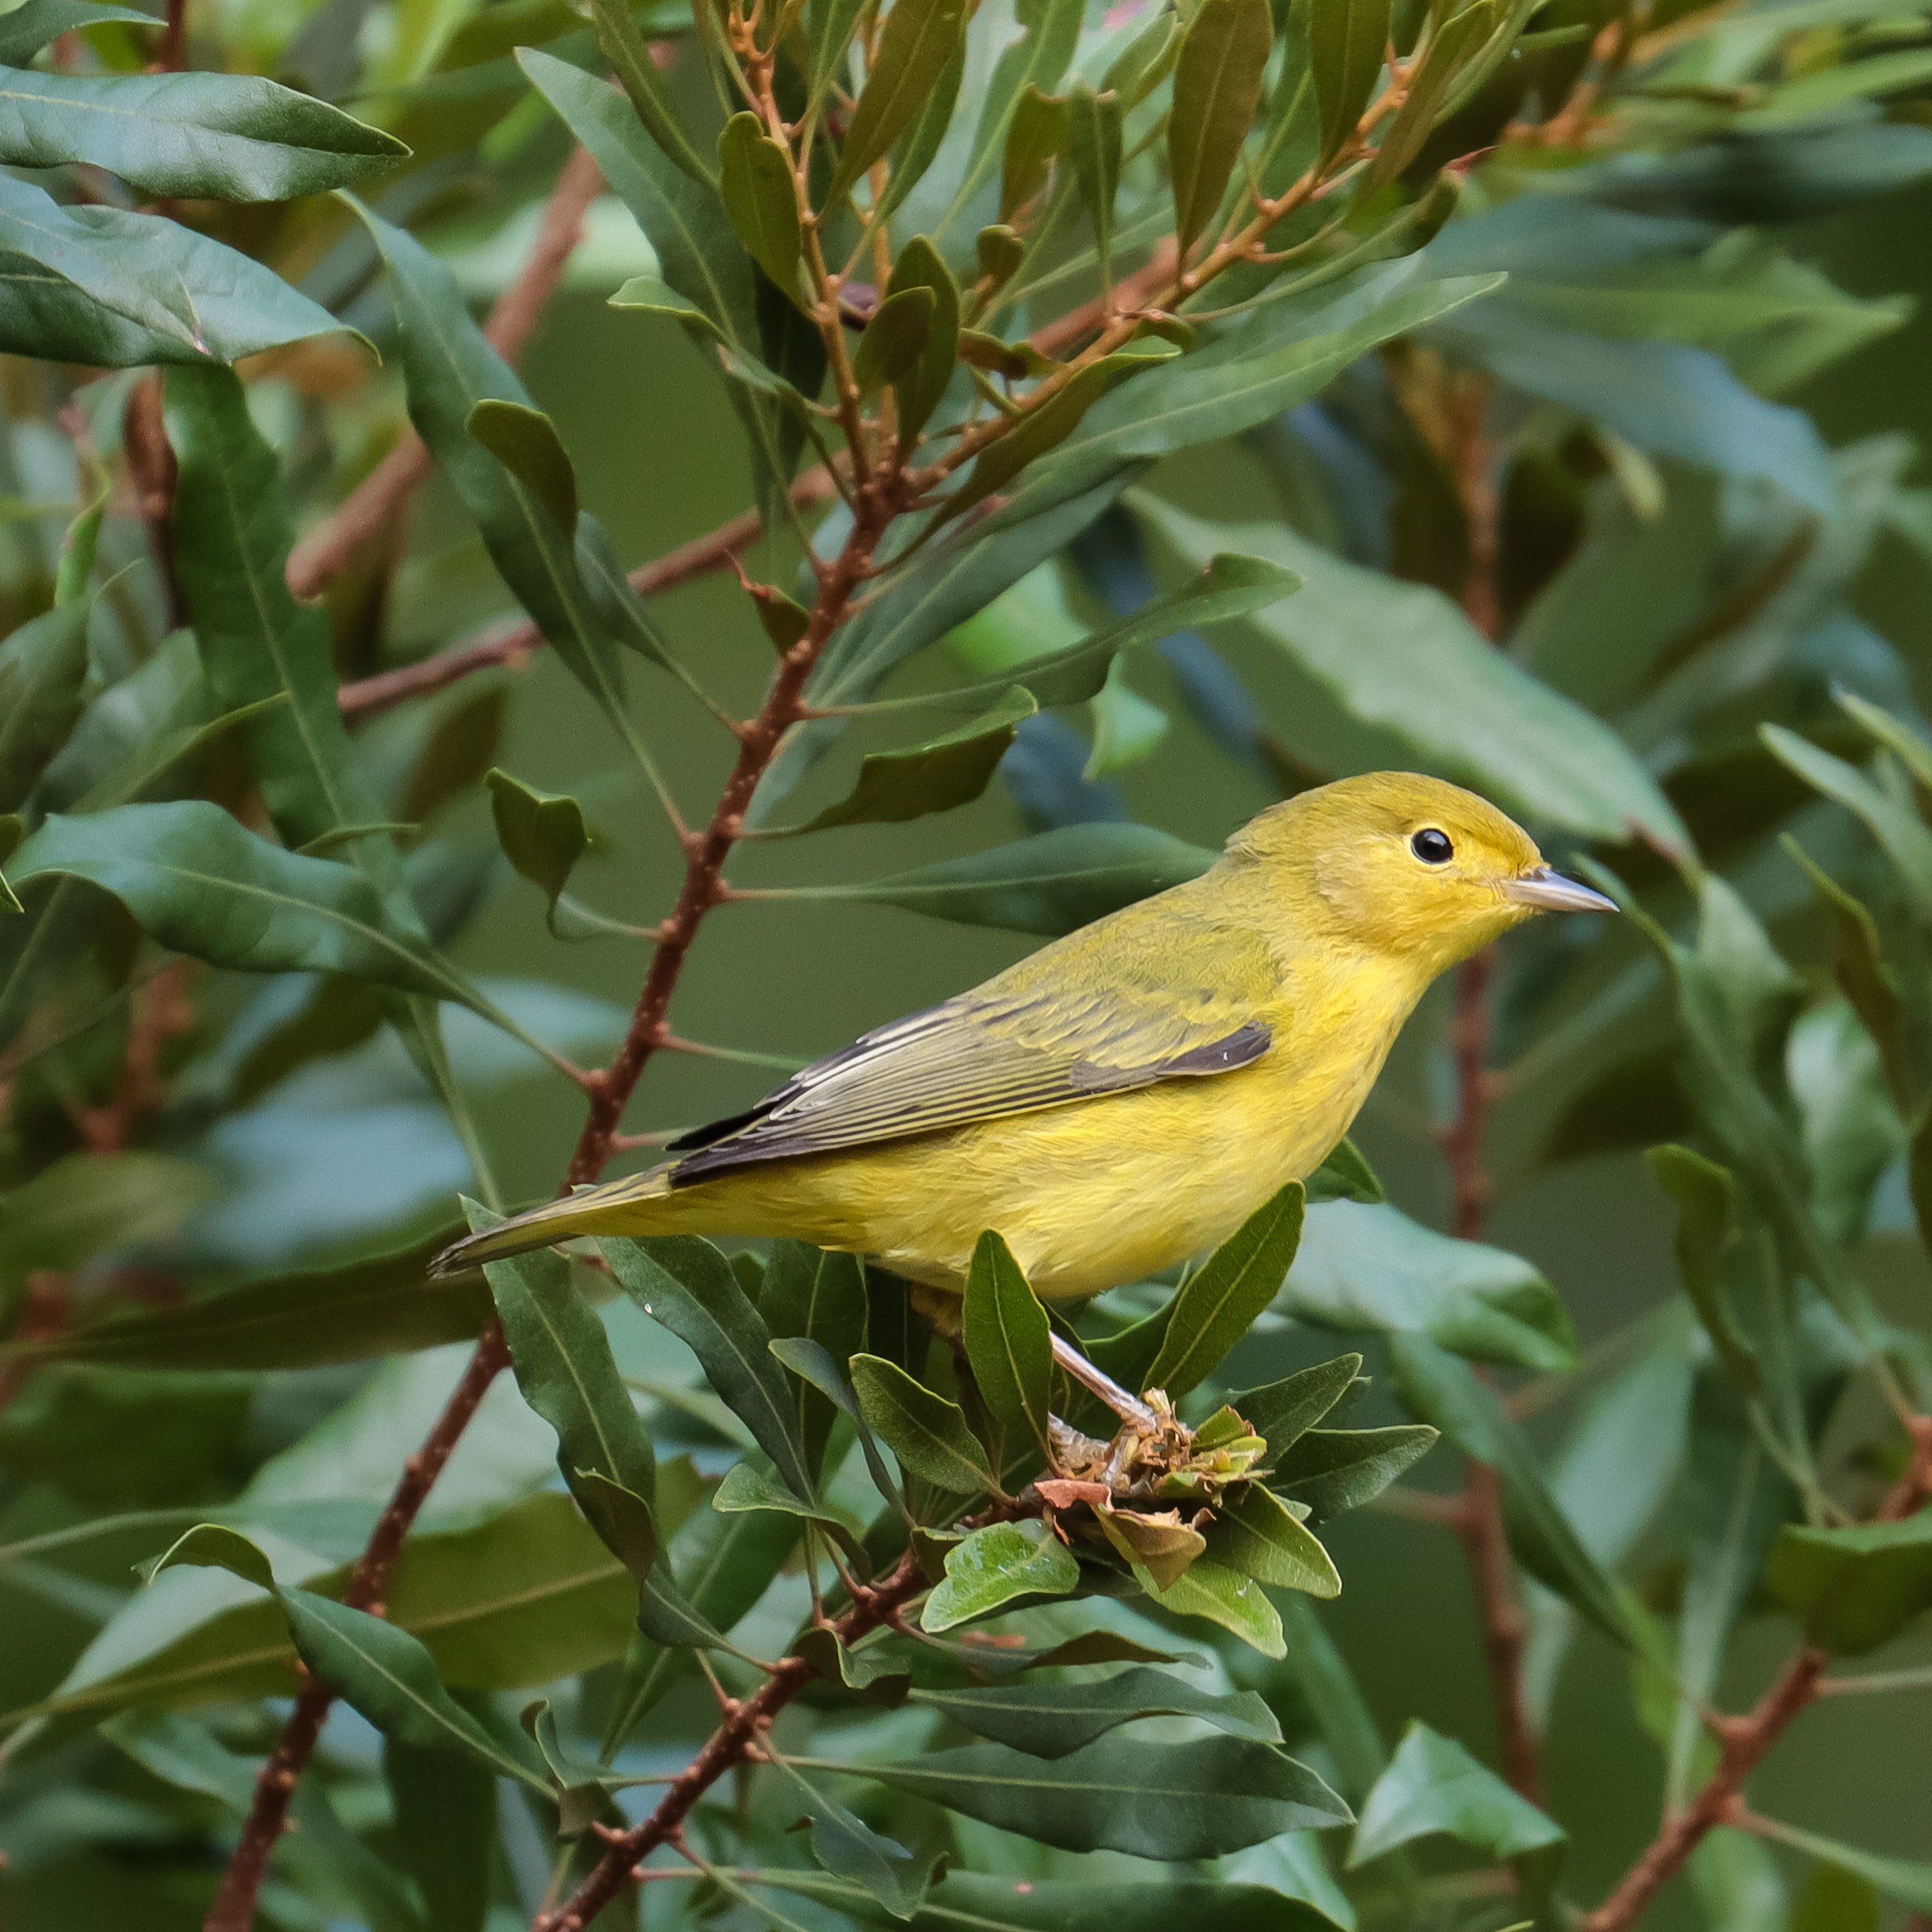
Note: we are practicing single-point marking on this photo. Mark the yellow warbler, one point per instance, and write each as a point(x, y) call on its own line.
point(1128, 1095)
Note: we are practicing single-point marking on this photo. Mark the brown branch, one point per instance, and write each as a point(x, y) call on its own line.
point(736, 1739)
point(233, 1910)
point(370, 509)
point(1743, 1741)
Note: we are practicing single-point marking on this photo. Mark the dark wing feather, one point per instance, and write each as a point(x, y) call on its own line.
point(1024, 1041)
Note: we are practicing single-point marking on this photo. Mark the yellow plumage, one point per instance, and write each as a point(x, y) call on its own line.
point(1128, 1095)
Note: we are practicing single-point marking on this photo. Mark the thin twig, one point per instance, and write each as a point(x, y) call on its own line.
point(370, 509)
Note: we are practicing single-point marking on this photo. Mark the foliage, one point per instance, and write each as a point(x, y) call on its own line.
point(1458, 368)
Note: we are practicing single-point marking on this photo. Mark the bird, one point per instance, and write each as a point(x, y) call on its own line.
point(1125, 1097)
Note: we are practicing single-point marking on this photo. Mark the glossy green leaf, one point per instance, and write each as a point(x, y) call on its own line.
point(1216, 1305)
point(895, 338)
point(446, 1828)
point(819, 1368)
point(111, 288)
point(525, 441)
point(1283, 1413)
point(1433, 1786)
point(385, 1305)
point(927, 1433)
point(28, 29)
point(1455, 38)
point(1094, 146)
point(1347, 40)
point(686, 1284)
point(1210, 1591)
point(543, 833)
point(1706, 1197)
point(761, 197)
point(1218, 77)
point(1049, 1720)
point(385, 1673)
point(812, 1295)
point(1901, 833)
point(1260, 1536)
point(201, 884)
point(1008, 1343)
point(1051, 31)
point(915, 46)
point(43, 668)
point(940, 775)
point(1050, 883)
point(1401, 656)
point(849, 1848)
point(1169, 1802)
point(629, 55)
point(1374, 1268)
point(1857, 1586)
point(232, 137)
point(564, 1367)
point(1332, 1471)
point(997, 1566)
point(918, 391)
point(1445, 1392)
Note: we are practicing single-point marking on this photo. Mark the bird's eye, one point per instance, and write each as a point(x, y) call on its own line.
point(1431, 847)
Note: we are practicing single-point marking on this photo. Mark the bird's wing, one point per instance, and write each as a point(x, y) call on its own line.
point(1025, 1040)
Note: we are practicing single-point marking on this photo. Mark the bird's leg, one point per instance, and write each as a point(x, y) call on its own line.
point(1129, 1408)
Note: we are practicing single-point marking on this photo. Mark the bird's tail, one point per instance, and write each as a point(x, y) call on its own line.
point(634, 1205)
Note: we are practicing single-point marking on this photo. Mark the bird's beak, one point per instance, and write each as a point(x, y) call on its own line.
point(1547, 891)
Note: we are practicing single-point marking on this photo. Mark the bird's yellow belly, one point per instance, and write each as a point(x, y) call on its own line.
point(1089, 1196)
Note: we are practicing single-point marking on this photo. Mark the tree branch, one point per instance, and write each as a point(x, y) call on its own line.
point(370, 509)
point(1743, 1742)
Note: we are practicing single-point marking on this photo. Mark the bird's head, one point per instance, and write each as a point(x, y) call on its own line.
point(1399, 863)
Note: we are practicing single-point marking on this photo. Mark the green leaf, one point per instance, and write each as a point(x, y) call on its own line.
point(200, 883)
point(43, 669)
point(997, 1566)
point(761, 197)
point(82, 1204)
point(629, 54)
point(114, 289)
point(1049, 1720)
point(1281, 1413)
point(1332, 1470)
point(814, 1365)
point(1050, 883)
point(686, 1284)
point(386, 1305)
point(563, 1364)
point(1374, 1268)
point(1901, 835)
point(1036, 136)
point(895, 338)
point(1347, 42)
point(385, 1673)
point(543, 833)
point(928, 1434)
point(1168, 1801)
point(1446, 1393)
point(1706, 1197)
point(812, 1295)
point(1455, 40)
point(915, 46)
point(1433, 1786)
point(1260, 1536)
point(1093, 145)
point(1008, 1343)
point(1857, 1586)
point(940, 775)
point(230, 137)
point(1404, 659)
point(1216, 1305)
point(28, 29)
point(829, 27)
point(1906, 1880)
point(525, 441)
point(849, 1848)
point(919, 391)
point(968, 1901)
point(1346, 1175)
point(1216, 87)
point(1211, 1590)
point(446, 1831)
